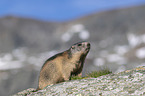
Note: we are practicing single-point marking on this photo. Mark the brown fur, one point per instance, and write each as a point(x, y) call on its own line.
point(62, 66)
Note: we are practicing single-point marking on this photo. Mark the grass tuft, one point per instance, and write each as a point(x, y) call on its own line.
point(93, 74)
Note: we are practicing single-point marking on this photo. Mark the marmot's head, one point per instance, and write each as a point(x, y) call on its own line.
point(81, 48)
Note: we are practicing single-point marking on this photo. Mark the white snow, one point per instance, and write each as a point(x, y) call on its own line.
point(99, 61)
point(5, 65)
point(13, 60)
point(20, 53)
point(19, 57)
point(121, 50)
point(140, 53)
point(66, 37)
point(78, 29)
point(115, 58)
point(84, 35)
point(7, 57)
point(133, 39)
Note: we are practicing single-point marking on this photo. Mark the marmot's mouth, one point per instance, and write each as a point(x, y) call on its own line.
point(87, 49)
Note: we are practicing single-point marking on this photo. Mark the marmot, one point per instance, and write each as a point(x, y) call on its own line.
point(62, 66)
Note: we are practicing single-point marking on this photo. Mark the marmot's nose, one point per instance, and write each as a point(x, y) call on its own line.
point(86, 44)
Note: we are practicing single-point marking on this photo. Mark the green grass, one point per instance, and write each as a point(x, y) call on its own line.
point(93, 74)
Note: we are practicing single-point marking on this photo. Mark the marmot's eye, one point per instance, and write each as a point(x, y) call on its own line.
point(80, 44)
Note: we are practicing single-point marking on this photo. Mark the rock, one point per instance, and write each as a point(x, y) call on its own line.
point(27, 91)
point(130, 82)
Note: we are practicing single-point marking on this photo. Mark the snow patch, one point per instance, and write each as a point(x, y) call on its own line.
point(121, 50)
point(5, 65)
point(133, 39)
point(19, 58)
point(13, 60)
point(7, 57)
point(79, 29)
point(84, 35)
point(20, 54)
point(140, 53)
point(66, 37)
point(99, 61)
point(115, 58)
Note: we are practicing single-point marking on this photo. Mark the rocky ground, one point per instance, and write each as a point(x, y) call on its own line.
point(126, 83)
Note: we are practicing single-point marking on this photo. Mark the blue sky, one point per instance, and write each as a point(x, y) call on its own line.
point(60, 10)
